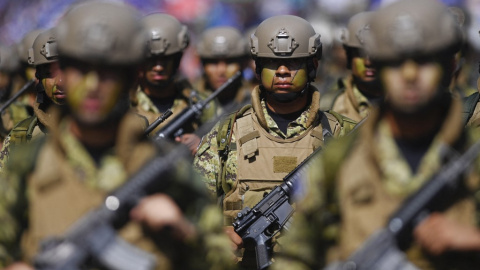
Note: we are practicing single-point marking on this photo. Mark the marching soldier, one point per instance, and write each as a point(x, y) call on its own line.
point(96, 145)
point(160, 85)
point(10, 81)
point(357, 91)
point(44, 57)
point(223, 53)
point(250, 152)
point(362, 179)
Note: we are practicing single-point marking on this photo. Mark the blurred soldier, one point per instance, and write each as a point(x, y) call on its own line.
point(161, 87)
point(95, 147)
point(355, 93)
point(223, 53)
point(10, 81)
point(27, 70)
point(251, 151)
point(362, 179)
point(44, 56)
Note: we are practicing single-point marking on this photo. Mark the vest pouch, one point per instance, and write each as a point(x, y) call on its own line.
point(247, 193)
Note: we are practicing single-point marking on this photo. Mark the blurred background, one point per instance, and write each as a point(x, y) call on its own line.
point(18, 17)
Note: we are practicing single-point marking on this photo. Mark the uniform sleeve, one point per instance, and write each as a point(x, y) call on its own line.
point(306, 247)
point(207, 160)
point(5, 152)
point(13, 204)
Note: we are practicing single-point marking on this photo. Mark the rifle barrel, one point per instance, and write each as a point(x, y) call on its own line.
point(19, 93)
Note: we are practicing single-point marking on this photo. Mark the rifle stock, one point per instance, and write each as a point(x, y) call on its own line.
point(174, 127)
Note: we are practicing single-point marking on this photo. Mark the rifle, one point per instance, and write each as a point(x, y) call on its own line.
point(174, 128)
point(383, 250)
point(19, 93)
point(93, 239)
point(258, 225)
point(158, 121)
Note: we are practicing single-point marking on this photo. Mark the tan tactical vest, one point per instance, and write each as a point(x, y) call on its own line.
point(264, 160)
point(58, 197)
point(366, 205)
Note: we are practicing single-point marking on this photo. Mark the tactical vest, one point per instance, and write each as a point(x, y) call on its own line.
point(263, 160)
point(367, 205)
point(58, 198)
point(15, 113)
point(23, 131)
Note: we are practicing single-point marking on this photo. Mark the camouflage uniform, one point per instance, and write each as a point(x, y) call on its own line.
point(350, 101)
point(341, 209)
point(33, 127)
point(221, 175)
point(185, 97)
point(83, 178)
point(207, 160)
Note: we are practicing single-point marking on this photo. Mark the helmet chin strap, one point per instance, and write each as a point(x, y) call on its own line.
point(288, 97)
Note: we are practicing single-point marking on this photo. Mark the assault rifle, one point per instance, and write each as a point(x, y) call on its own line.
point(258, 225)
point(17, 94)
point(93, 240)
point(174, 128)
point(383, 250)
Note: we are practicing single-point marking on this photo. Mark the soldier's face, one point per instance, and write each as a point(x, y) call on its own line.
point(218, 71)
point(284, 75)
point(93, 91)
point(51, 81)
point(412, 84)
point(159, 70)
point(362, 66)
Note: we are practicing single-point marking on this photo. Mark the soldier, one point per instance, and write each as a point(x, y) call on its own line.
point(44, 57)
point(27, 70)
point(10, 81)
point(223, 53)
point(362, 179)
point(96, 145)
point(160, 85)
point(357, 91)
point(252, 150)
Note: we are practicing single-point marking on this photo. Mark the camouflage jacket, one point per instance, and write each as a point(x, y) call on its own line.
point(26, 130)
point(31, 167)
point(186, 95)
point(359, 181)
point(207, 159)
point(350, 101)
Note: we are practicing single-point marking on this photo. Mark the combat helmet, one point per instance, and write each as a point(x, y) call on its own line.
point(26, 43)
point(167, 36)
point(10, 61)
point(44, 49)
point(221, 42)
point(412, 27)
point(285, 36)
point(101, 32)
point(354, 34)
